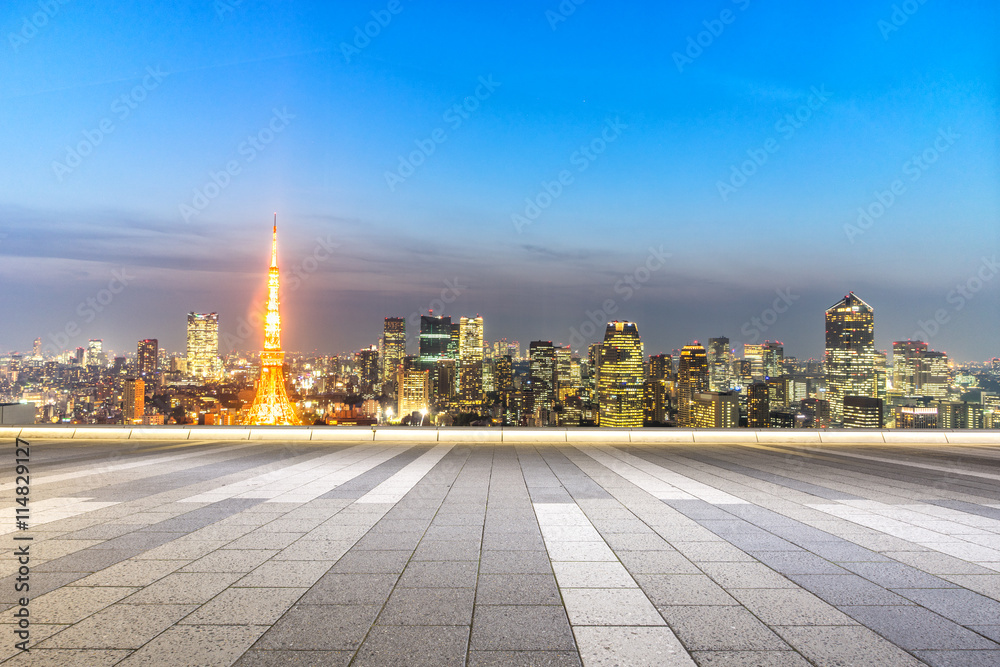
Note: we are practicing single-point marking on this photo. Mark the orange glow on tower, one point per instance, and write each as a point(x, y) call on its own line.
point(271, 406)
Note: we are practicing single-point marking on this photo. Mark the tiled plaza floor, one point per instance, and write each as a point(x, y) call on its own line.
point(270, 554)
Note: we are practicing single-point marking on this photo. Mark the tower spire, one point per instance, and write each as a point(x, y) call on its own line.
point(274, 243)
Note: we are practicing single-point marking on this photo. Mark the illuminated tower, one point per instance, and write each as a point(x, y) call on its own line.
point(271, 405)
point(850, 353)
point(148, 350)
point(619, 381)
point(203, 346)
point(393, 348)
point(470, 358)
point(692, 379)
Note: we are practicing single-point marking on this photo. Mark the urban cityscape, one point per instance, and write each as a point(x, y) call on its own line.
point(457, 377)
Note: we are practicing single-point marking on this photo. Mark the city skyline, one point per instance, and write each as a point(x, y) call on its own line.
point(715, 157)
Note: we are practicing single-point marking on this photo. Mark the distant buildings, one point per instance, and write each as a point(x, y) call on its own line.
point(850, 353)
point(692, 379)
point(620, 376)
point(203, 361)
point(470, 360)
point(393, 348)
point(146, 357)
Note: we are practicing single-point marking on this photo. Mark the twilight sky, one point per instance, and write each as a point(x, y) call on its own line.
point(690, 165)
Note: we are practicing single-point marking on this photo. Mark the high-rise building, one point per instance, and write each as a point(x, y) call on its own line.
point(959, 415)
point(692, 378)
point(541, 369)
point(720, 364)
point(203, 346)
point(660, 367)
point(772, 357)
point(850, 353)
point(754, 353)
point(470, 359)
point(271, 405)
point(146, 356)
point(619, 383)
point(758, 405)
point(95, 356)
point(714, 409)
point(367, 361)
point(393, 347)
point(133, 403)
point(414, 391)
point(912, 416)
point(906, 365)
point(862, 412)
point(655, 402)
point(36, 348)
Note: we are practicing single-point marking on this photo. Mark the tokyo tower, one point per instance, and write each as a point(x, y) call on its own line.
point(271, 406)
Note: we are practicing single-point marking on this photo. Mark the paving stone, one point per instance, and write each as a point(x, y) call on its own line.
point(636, 647)
point(789, 606)
point(185, 588)
point(720, 628)
point(514, 562)
point(355, 588)
point(119, 626)
point(417, 646)
point(255, 658)
point(518, 589)
point(749, 659)
point(915, 628)
point(609, 606)
point(196, 646)
point(683, 589)
point(307, 627)
point(846, 589)
point(524, 659)
point(428, 606)
point(836, 646)
point(962, 606)
point(520, 628)
point(245, 606)
point(989, 658)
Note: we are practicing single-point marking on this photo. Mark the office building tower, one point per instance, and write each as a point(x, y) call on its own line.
point(271, 405)
point(393, 347)
point(850, 354)
point(203, 361)
point(36, 348)
point(720, 364)
point(95, 356)
point(906, 365)
point(470, 362)
point(367, 362)
point(912, 416)
point(862, 412)
point(660, 367)
point(133, 401)
point(714, 409)
point(655, 402)
point(758, 405)
point(957, 415)
point(772, 358)
point(619, 383)
point(146, 357)
point(414, 391)
point(754, 353)
point(541, 370)
point(692, 378)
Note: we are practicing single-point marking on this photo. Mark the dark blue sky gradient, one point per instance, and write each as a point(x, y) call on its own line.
point(656, 185)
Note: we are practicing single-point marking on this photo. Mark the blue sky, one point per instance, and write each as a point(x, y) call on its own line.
point(228, 70)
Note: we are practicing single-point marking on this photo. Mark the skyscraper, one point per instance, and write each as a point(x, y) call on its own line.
point(203, 346)
point(692, 378)
point(850, 353)
point(541, 368)
point(393, 347)
point(619, 383)
point(368, 370)
point(720, 364)
point(95, 353)
point(36, 348)
point(661, 367)
point(271, 405)
point(758, 405)
point(470, 359)
point(133, 401)
point(147, 352)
